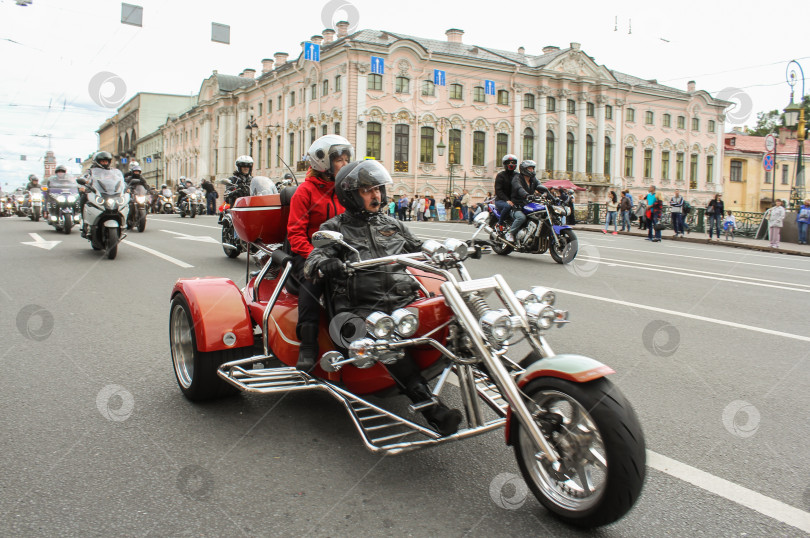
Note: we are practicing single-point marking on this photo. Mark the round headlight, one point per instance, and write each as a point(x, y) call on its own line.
point(99, 200)
point(71, 198)
point(545, 296)
point(526, 297)
point(380, 325)
point(61, 199)
point(406, 322)
point(140, 199)
point(456, 248)
point(122, 200)
point(497, 326)
point(541, 316)
point(432, 248)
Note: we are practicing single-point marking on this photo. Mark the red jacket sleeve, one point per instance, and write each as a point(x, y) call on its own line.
point(299, 221)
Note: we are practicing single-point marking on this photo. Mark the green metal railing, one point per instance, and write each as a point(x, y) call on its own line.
point(747, 222)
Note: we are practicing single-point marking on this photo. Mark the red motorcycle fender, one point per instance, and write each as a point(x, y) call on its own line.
point(574, 368)
point(217, 308)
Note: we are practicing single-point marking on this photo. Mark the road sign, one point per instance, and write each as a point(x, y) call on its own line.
point(312, 51)
point(377, 65)
point(489, 87)
point(439, 77)
point(770, 142)
point(767, 162)
point(39, 242)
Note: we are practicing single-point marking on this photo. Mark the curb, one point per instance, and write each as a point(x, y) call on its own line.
point(705, 242)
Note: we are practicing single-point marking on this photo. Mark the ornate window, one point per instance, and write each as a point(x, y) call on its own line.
point(324, 131)
point(630, 115)
point(736, 171)
point(589, 154)
point(375, 82)
point(550, 149)
point(374, 140)
point(696, 124)
point(569, 152)
point(681, 122)
point(679, 166)
point(608, 148)
point(337, 83)
point(551, 104)
point(693, 171)
point(313, 94)
point(456, 91)
point(337, 128)
point(571, 106)
point(403, 85)
point(401, 147)
point(269, 106)
point(279, 104)
point(667, 120)
point(258, 154)
point(503, 97)
point(649, 118)
point(455, 146)
point(590, 110)
point(269, 147)
point(628, 162)
point(291, 157)
point(478, 94)
point(312, 135)
point(648, 156)
point(292, 99)
point(325, 88)
point(502, 145)
point(712, 126)
point(479, 146)
point(428, 88)
point(785, 174)
point(608, 112)
point(528, 101)
point(426, 149)
point(528, 144)
point(710, 169)
point(260, 109)
point(665, 165)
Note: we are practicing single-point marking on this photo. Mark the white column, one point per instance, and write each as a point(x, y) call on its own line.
point(562, 130)
point(599, 169)
point(205, 146)
point(618, 143)
point(581, 146)
point(241, 132)
point(541, 133)
point(362, 89)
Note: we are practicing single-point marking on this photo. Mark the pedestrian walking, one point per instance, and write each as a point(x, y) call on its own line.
point(715, 211)
point(676, 210)
point(729, 225)
point(612, 208)
point(626, 208)
point(656, 211)
point(775, 217)
point(419, 208)
point(803, 221)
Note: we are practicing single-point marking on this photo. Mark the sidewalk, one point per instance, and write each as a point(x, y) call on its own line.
point(695, 237)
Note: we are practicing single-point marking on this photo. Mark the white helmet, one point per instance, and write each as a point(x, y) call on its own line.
point(325, 149)
point(133, 165)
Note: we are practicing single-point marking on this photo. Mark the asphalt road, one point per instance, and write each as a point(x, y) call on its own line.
point(709, 344)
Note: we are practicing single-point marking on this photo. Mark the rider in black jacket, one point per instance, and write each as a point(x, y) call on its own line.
point(503, 186)
point(524, 185)
point(360, 188)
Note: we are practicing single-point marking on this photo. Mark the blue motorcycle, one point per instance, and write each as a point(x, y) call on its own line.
point(545, 230)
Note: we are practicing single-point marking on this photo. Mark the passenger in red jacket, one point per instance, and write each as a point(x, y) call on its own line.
point(313, 203)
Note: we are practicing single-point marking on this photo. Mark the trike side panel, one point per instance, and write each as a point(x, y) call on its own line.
point(217, 308)
point(574, 368)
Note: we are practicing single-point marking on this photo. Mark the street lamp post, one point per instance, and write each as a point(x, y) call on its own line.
point(794, 117)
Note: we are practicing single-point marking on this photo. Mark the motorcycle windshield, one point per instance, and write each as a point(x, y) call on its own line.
point(109, 182)
point(190, 190)
point(140, 190)
point(167, 193)
point(64, 185)
point(260, 186)
point(35, 190)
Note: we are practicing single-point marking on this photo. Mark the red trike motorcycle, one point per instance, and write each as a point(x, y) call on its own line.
point(577, 440)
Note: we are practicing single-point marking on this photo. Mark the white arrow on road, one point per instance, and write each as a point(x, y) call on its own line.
point(202, 238)
point(39, 242)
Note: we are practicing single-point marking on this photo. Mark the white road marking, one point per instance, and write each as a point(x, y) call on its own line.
point(166, 257)
point(40, 243)
point(201, 238)
point(730, 261)
point(757, 502)
point(186, 223)
point(706, 275)
point(687, 315)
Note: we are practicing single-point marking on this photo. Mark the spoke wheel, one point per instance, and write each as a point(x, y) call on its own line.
point(566, 251)
point(600, 444)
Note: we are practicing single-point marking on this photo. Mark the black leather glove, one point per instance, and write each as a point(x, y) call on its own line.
point(332, 268)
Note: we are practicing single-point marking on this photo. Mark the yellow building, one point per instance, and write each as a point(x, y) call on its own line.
point(746, 184)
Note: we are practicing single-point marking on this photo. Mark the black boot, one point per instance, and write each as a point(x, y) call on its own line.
point(308, 351)
point(439, 416)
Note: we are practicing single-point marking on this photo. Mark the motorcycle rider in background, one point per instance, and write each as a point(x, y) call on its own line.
point(524, 184)
point(314, 203)
point(182, 193)
point(503, 187)
point(101, 159)
point(33, 183)
point(361, 189)
point(59, 172)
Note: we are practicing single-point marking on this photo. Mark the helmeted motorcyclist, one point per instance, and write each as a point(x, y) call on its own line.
point(182, 192)
point(103, 160)
point(313, 203)
point(33, 183)
point(524, 184)
point(361, 189)
point(134, 174)
point(503, 186)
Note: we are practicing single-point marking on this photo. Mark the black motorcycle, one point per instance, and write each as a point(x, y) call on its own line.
point(137, 208)
point(231, 244)
point(63, 204)
point(188, 204)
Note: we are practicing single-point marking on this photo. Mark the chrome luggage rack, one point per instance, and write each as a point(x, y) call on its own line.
point(382, 431)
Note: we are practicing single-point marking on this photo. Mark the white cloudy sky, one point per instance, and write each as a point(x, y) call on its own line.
point(50, 50)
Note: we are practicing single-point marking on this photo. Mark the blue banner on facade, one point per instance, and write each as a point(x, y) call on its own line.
point(124, 160)
point(438, 77)
point(489, 87)
point(78, 160)
point(377, 65)
point(149, 159)
point(312, 51)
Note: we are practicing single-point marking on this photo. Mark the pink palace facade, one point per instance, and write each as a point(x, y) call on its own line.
point(577, 119)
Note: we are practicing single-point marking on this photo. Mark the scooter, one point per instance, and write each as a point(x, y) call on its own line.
point(105, 211)
point(577, 440)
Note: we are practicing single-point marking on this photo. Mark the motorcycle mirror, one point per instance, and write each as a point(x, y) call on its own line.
point(324, 238)
point(225, 181)
point(81, 181)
